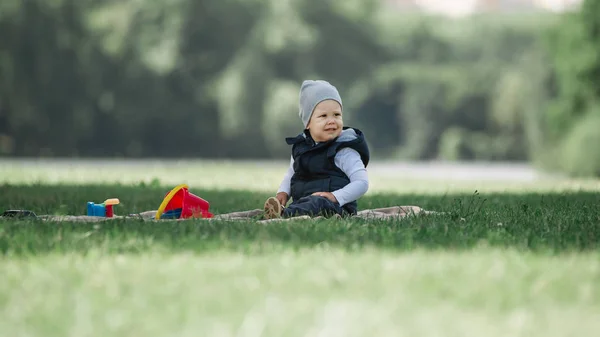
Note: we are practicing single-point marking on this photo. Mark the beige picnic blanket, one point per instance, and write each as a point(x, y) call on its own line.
point(393, 212)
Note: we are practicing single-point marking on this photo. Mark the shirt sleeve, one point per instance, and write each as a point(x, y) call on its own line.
point(348, 160)
point(285, 185)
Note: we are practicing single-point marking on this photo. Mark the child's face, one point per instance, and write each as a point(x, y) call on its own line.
point(326, 121)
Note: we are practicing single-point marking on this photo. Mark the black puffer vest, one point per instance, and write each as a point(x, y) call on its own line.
point(314, 167)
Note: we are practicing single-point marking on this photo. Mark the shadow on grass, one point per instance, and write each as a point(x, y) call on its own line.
point(535, 222)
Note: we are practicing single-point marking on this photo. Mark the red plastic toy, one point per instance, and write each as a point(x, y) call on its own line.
point(179, 203)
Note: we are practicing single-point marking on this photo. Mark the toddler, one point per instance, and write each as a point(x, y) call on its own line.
point(327, 172)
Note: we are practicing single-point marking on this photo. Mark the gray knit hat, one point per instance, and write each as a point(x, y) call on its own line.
point(313, 93)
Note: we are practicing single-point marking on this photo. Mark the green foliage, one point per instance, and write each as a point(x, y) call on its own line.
point(479, 76)
point(280, 111)
point(220, 78)
point(572, 121)
point(578, 154)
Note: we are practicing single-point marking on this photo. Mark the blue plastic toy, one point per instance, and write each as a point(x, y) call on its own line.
point(104, 209)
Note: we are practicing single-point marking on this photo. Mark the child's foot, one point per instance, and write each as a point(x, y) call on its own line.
point(273, 208)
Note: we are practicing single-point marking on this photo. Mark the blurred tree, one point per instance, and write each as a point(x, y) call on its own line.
point(575, 46)
point(46, 53)
point(208, 78)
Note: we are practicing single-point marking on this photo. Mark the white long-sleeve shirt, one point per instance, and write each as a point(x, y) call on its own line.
point(348, 160)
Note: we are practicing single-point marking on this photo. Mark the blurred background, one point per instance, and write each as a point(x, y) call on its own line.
point(426, 80)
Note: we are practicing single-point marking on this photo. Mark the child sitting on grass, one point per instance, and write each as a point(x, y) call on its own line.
point(327, 172)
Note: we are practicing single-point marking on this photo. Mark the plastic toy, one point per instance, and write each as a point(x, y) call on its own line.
point(104, 209)
point(179, 203)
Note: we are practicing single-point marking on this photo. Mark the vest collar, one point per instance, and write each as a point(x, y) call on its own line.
point(305, 137)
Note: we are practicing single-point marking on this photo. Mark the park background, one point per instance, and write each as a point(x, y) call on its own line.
point(496, 81)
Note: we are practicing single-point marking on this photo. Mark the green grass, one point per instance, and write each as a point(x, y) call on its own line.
point(312, 292)
point(524, 262)
point(524, 221)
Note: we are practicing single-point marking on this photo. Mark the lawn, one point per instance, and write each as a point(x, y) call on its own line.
point(524, 262)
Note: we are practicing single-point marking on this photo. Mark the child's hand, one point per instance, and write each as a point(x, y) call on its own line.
point(282, 197)
point(327, 195)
